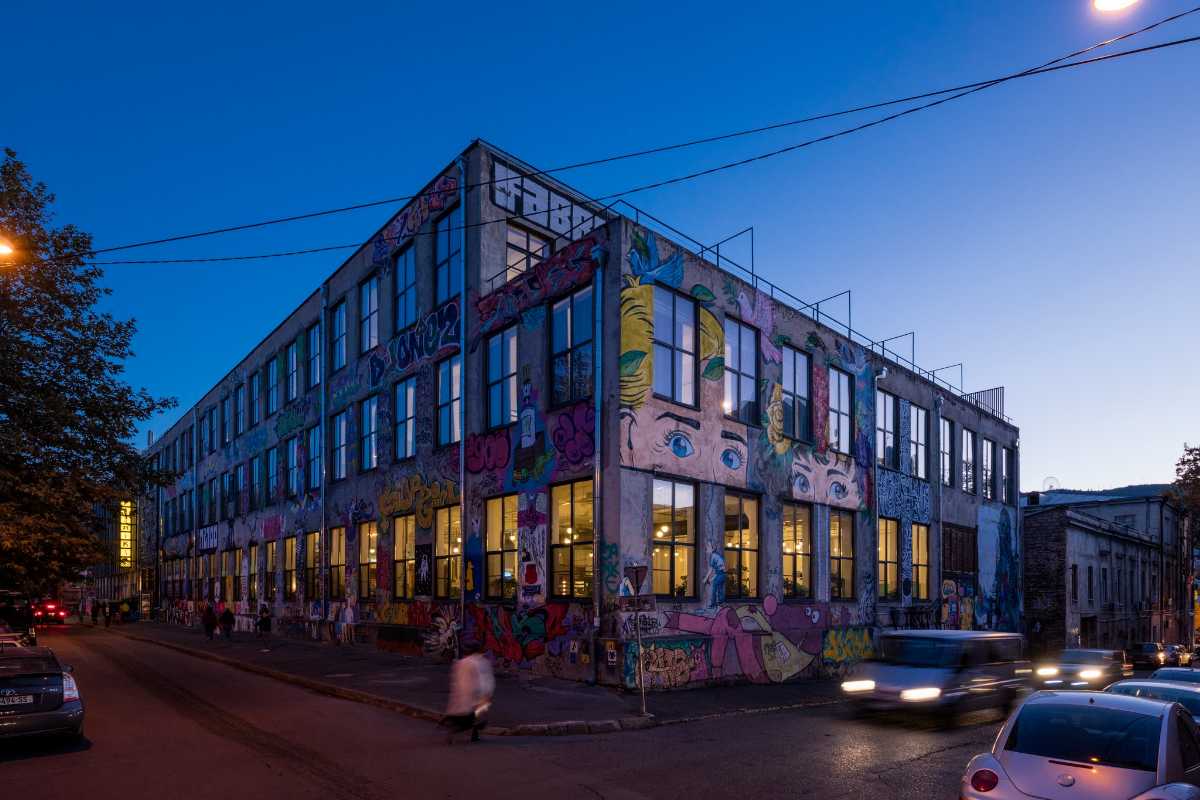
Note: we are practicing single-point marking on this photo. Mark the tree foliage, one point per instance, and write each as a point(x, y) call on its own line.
point(67, 419)
point(1187, 481)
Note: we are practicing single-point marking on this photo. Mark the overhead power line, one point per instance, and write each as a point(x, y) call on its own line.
point(1052, 67)
point(966, 88)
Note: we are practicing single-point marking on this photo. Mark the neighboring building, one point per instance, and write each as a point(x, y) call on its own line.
point(1106, 569)
point(118, 577)
point(508, 396)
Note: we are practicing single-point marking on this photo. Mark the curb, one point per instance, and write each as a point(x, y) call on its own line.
point(564, 728)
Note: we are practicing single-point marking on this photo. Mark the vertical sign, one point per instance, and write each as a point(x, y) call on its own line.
point(125, 535)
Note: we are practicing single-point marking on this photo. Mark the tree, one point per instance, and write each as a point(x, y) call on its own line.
point(67, 419)
point(1187, 481)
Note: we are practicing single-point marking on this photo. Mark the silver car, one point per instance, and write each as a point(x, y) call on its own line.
point(1093, 745)
point(941, 671)
point(1186, 694)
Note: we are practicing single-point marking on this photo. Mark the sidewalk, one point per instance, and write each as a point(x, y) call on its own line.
point(524, 705)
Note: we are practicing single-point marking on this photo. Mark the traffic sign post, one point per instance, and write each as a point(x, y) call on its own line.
point(635, 574)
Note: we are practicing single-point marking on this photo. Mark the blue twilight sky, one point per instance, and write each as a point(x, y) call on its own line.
point(1044, 231)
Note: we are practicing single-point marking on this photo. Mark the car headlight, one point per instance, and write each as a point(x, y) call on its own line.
point(1090, 674)
point(1047, 672)
point(858, 686)
point(918, 695)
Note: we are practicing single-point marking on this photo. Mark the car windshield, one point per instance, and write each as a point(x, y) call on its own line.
point(1171, 674)
point(915, 651)
point(1188, 699)
point(1149, 648)
point(27, 665)
point(1087, 734)
point(1083, 657)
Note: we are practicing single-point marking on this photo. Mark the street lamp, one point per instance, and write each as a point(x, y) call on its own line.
point(6, 249)
point(1112, 5)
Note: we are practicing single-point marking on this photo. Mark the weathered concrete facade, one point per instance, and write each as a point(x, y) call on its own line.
point(595, 435)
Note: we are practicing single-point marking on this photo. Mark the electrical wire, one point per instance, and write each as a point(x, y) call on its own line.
point(964, 88)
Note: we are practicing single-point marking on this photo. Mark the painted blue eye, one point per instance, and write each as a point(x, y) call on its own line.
point(838, 491)
point(681, 446)
point(732, 459)
point(800, 484)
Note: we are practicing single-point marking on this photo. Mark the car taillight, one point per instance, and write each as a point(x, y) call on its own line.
point(37, 613)
point(71, 692)
point(984, 780)
point(62, 613)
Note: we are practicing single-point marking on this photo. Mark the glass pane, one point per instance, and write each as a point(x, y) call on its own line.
point(749, 576)
point(843, 392)
point(660, 565)
point(562, 377)
point(731, 401)
point(746, 392)
point(731, 345)
point(582, 576)
point(685, 513)
point(495, 410)
point(662, 370)
point(584, 519)
point(510, 352)
point(561, 568)
point(582, 313)
point(750, 523)
point(789, 415)
point(495, 523)
point(685, 378)
point(749, 363)
point(560, 515)
point(581, 371)
point(685, 579)
point(560, 329)
point(685, 325)
point(662, 314)
point(493, 357)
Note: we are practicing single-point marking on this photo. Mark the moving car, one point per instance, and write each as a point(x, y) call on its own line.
point(1083, 669)
point(1149, 655)
point(1187, 695)
point(942, 671)
point(1177, 674)
point(1177, 656)
point(49, 612)
point(1092, 745)
point(38, 695)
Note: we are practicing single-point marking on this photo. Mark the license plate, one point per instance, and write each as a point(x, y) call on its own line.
point(16, 700)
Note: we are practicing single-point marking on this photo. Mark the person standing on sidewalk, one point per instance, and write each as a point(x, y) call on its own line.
point(209, 620)
point(263, 626)
point(472, 685)
point(95, 613)
point(227, 621)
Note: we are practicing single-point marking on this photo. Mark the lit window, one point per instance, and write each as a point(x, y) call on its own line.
point(841, 555)
point(447, 551)
point(368, 576)
point(920, 558)
point(572, 527)
point(674, 539)
point(797, 550)
point(502, 547)
point(741, 546)
point(337, 564)
point(889, 559)
point(405, 538)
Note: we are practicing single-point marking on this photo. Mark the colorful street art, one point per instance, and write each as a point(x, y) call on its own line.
point(488, 451)
point(521, 638)
point(432, 338)
point(440, 196)
point(958, 604)
point(998, 600)
point(668, 663)
point(418, 496)
point(573, 435)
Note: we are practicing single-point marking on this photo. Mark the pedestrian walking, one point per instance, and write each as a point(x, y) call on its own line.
point(471, 687)
point(209, 620)
point(227, 621)
point(263, 626)
point(107, 614)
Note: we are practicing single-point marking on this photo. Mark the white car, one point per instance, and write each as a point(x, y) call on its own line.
point(1089, 746)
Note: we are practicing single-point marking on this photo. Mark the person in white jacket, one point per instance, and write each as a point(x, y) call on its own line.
point(471, 687)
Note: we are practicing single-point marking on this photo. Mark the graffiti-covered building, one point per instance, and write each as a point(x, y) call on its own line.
point(509, 395)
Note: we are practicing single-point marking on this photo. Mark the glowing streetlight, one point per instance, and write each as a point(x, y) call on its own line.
point(6, 249)
point(1112, 5)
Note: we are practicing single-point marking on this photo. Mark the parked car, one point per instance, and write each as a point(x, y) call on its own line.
point(38, 695)
point(1083, 669)
point(942, 671)
point(12, 638)
point(1150, 655)
point(16, 617)
point(1187, 695)
point(49, 612)
point(1093, 745)
point(1176, 674)
point(1177, 656)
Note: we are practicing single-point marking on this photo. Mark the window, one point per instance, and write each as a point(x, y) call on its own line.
point(1006, 492)
point(272, 483)
point(968, 461)
point(272, 386)
point(202, 517)
point(502, 378)
point(226, 420)
point(889, 559)
point(404, 534)
point(797, 418)
point(447, 248)
point(673, 551)
point(338, 433)
point(1075, 583)
point(840, 432)
point(292, 449)
point(841, 555)
point(571, 347)
point(227, 577)
point(368, 314)
point(312, 566)
point(988, 455)
point(368, 576)
point(237, 575)
point(918, 438)
point(1090, 586)
point(293, 371)
point(337, 564)
point(368, 420)
point(741, 546)
point(920, 559)
point(502, 547)
point(404, 412)
point(255, 398)
point(256, 482)
point(797, 550)
point(228, 497)
point(447, 551)
point(252, 583)
point(886, 412)
point(405, 298)
point(272, 571)
point(239, 410)
point(314, 355)
point(203, 433)
point(339, 336)
point(946, 450)
point(572, 528)
point(674, 346)
point(959, 552)
point(449, 402)
point(741, 371)
point(1104, 584)
point(314, 457)
point(289, 569)
point(524, 250)
point(212, 499)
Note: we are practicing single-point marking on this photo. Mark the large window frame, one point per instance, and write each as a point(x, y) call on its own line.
point(289, 569)
point(368, 561)
point(252, 576)
point(946, 451)
point(673, 544)
point(741, 346)
point(404, 414)
point(338, 354)
point(291, 449)
point(447, 552)
point(967, 459)
point(841, 411)
point(256, 407)
point(842, 582)
point(272, 387)
point(920, 561)
point(368, 433)
point(256, 481)
point(314, 355)
point(339, 447)
point(888, 563)
point(270, 585)
point(293, 371)
point(797, 404)
point(887, 418)
point(368, 314)
point(520, 254)
point(239, 409)
point(337, 563)
point(312, 566)
point(271, 483)
point(1006, 492)
point(500, 548)
point(447, 249)
point(226, 420)
point(404, 559)
point(918, 442)
point(741, 545)
point(449, 400)
point(572, 330)
point(797, 550)
point(960, 550)
point(987, 475)
point(572, 532)
point(313, 454)
point(675, 335)
point(501, 372)
point(404, 298)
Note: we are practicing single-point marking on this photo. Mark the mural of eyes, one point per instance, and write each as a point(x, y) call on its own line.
point(679, 443)
point(800, 484)
point(838, 490)
point(733, 458)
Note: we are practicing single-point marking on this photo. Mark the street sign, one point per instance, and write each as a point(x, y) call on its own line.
point(636, 573)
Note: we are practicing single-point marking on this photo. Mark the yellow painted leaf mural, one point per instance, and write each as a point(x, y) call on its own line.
point(637, 359)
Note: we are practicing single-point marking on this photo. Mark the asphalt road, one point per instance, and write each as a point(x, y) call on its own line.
point(166, 725)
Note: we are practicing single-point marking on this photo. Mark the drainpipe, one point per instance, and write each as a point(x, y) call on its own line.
point(598, 438)
point(462, 405)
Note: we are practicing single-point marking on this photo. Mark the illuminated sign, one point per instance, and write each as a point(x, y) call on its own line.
point(125, 535)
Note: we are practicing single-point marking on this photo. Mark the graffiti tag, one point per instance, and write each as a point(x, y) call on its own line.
point(488, 451)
